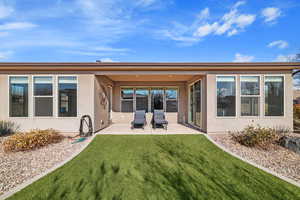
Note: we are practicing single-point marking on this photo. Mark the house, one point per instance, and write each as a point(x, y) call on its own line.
point(214, 97)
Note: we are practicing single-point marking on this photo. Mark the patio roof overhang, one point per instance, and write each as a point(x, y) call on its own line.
point(149, 66)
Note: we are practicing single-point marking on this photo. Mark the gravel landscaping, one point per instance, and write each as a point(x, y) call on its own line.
point(15, 168)
point(281, 160)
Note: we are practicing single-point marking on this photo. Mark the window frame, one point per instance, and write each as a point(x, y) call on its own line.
point(9, 93)
point(53, 96)
point(264, 96)
point(133, 99)
point(166, 99)
point(57, 96)
point(149, 88)
point(236, 96)
point(259, 96)
point(189, 102)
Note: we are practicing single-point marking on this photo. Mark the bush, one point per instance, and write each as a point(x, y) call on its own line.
point(31, 140)
point(296, 111)
point(259, 137)
point(7, 128)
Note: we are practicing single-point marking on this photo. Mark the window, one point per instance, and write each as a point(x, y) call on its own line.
point(250, 95)
point(157, 99)
point(127, 99)
point(195, 113)
point(274, 96)
point(141, 96)
point(226, 95)
point(43, 96)
point(18, 98)
point(171, 100)
point(67, 96)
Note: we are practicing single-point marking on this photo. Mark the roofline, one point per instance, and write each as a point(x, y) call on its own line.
point(159, 66)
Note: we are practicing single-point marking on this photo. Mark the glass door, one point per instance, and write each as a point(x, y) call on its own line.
point(141, 98)
point(157, 99)
point(195, 109)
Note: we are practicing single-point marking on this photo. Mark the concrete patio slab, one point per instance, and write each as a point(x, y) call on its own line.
point(125, 129)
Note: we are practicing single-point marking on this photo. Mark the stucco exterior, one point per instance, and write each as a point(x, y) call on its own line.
point(85, 97)
point(224, 124)
point(99, 85)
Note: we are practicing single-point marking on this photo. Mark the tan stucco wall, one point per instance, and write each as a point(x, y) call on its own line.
point(85, 100)
point(223, 125)
point(102, 118)
point(119, 117)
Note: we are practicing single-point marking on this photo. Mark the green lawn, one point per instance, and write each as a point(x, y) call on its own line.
point(157, 167)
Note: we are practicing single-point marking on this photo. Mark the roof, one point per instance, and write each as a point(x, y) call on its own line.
point(147, 66)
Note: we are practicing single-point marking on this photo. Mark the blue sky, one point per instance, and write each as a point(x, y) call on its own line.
point(149, 30)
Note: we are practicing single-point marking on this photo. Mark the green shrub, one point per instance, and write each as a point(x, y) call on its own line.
point(259, 137)
point(31, 140)
point(7, 128)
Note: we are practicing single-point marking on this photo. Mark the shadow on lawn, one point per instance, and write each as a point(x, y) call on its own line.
point(177, 172)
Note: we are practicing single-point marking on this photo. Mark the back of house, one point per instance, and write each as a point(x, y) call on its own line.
point(212, 97)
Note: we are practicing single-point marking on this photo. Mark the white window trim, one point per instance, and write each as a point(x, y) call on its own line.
point(33, 96)
point(8, 99)
point(259, 96)
point(57, 96)
point(236, 96)
point(264, 95)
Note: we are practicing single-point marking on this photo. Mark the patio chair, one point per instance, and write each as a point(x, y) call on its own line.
point(159, 119)
point(139, 119)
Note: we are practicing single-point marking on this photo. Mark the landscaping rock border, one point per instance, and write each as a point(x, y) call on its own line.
point(43, 172)
point(215, 139)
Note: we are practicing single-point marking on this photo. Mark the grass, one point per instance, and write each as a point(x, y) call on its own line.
point(157, 167)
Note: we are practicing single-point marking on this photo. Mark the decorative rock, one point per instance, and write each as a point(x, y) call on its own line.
point(291, 143)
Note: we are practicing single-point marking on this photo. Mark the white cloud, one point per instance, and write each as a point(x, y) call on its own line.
point(286, 58)
point(110, 49)
point(107, 60)
point(145, 3)
point(243, 58)
point(281, 44)
point(5, 55)
point(204, 14)
point(206, 29)
point(271, 14)
point(231, 23)
point(3, 34)
point(16, 26)
point(5, 10)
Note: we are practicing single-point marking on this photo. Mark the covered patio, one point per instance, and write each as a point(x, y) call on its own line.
point(172, 92)
point(124, 129)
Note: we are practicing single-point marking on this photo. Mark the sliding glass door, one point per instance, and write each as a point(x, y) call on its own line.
point(157, 99)
point(195, 110)
point(142, 99)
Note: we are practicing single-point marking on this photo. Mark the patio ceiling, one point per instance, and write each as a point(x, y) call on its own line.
point(150, 77)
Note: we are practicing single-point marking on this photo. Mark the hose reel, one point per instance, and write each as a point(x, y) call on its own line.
point(86, 122)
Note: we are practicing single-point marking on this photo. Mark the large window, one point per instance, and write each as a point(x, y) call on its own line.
point(127, 99)
point(67, 96)
point(250, 94)
point(43, 96)
point(18, 98)
point(226, 95)
point(142, 96)
point(171, 100)
point(274, 96)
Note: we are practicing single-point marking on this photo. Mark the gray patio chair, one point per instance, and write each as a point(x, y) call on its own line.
point(159, 119)
point(139, 119)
